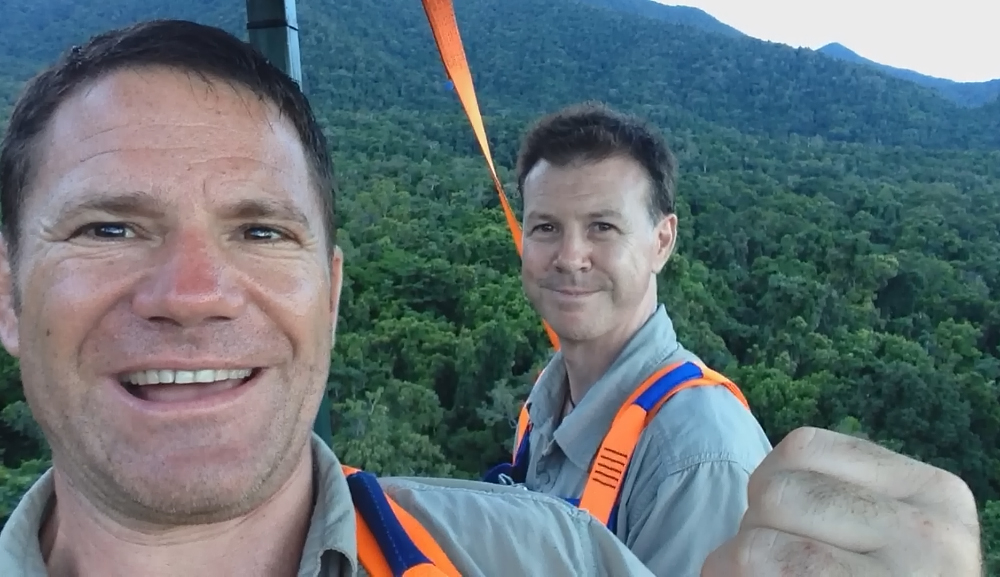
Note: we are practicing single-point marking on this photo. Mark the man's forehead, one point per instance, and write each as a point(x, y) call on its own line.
point(594, 187)
point(141, 130)
point(164, 89)
point(146, 103)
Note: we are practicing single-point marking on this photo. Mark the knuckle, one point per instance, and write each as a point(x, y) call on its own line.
point(798, 445)
point(761, 551)
point(805, 557)
point(958, 547)
point(770, 492)
point(744, 555)
point(957, 491)
point(944, 542)
point(952, 494)
point(753, 548)
point(721, 563)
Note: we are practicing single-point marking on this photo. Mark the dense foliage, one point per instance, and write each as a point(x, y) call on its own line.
point(839, 253)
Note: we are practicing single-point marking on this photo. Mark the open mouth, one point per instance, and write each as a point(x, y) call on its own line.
point(172, 386)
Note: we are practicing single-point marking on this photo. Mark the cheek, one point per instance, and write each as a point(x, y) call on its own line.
point(534, 262)
point(60, 307)
point(297, 296)
point(60, 300)
point(628, 263)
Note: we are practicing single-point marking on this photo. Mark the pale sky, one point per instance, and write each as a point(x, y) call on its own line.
point(956, 39)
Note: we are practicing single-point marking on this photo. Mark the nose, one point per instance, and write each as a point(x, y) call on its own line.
point(190, 283)
point(573, 254)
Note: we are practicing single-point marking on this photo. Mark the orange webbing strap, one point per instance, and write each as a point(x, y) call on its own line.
point(373, 560)
point(523, 421)
point(441, 16)
point(600, 493)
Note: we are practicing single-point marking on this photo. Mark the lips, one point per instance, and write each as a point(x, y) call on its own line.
point(573, 292)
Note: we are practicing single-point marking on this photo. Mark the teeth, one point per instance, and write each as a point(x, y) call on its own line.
point(166, 376)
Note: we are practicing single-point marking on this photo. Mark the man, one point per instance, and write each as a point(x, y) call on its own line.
point(598, 226)
point(169, 282)
point(170, 285)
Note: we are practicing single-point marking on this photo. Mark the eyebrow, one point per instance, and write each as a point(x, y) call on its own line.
point(117, 204)
point(149, 205)
point(268, 209)
point(607, 213)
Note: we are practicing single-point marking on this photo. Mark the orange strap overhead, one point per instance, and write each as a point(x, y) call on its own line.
point(372, 558)
point(444, 26)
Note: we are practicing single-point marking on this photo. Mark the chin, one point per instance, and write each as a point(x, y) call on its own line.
point(188, 487)
point(206, 475)
point(573, 328)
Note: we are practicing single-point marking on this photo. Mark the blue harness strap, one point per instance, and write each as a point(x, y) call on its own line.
point(400, 552)
point(507, 473)
point(666, 384)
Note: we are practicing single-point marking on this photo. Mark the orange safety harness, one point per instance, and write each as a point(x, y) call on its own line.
point(391, 543)
point(602, 490)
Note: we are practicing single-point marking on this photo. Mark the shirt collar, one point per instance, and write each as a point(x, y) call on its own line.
point(581, 432)
point(331, 528)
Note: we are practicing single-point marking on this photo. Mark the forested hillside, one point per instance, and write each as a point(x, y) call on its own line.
point(682, 15)
point(840, 232)
point(964, 93)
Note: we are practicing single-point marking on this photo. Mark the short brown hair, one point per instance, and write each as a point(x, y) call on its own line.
point(206, 51)
point(592, 131)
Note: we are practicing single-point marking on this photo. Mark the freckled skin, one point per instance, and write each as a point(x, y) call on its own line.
point(587, 227)
point(174, 271)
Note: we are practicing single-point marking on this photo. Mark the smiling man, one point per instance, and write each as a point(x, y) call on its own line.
point(599, 225)
point(170, 283)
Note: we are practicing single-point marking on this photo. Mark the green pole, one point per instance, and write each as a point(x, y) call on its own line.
point(274, 31)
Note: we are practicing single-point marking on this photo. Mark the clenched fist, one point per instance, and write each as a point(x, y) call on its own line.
point(824, 504)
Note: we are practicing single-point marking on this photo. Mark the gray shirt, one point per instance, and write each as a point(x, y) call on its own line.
point(484, 529)
point(686, 487)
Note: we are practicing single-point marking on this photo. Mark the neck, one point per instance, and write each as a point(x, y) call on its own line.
point(587, 361)
point(78, 541)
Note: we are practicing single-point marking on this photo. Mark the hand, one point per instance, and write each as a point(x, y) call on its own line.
point(822, 504)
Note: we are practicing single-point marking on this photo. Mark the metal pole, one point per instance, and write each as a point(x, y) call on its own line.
point(274, 31)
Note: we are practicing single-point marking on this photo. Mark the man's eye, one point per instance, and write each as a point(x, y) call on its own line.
point(264, 233)
point(604, 227)
point(545, 228)
point(104, 230)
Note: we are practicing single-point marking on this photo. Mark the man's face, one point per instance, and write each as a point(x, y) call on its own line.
point(591, 250)
point(172, 234)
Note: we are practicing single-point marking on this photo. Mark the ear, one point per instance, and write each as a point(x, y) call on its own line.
point(10, 334)
point(336, 284)
point(666, 237)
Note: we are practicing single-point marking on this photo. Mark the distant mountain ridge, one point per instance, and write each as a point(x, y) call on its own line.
point(968, 94)
point(681, 15)
point(964, 93)
point(530, 57)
